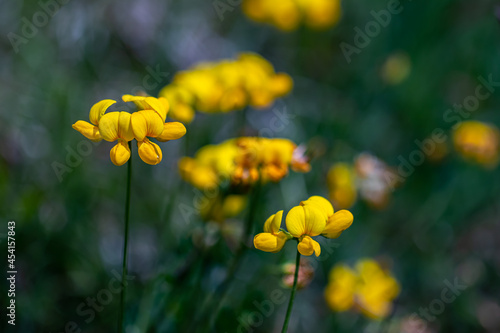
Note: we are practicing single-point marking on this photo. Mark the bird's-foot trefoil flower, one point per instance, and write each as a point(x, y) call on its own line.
point(312, 217)
point(147, 122)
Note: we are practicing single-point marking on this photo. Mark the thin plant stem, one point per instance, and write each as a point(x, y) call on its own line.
point(292, 296)
point(125, 243)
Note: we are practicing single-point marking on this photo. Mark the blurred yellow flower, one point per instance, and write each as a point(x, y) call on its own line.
point(121, 126)
point(219, 209)
point(368, 176)
point(478, 142)
point(225, 86)
point(396, 68)
point(287, 15)
point(342, 185)
point(243, 161)
point(368, 288)
point(313, 217)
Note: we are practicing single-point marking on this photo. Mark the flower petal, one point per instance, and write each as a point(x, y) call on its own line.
point(108, 126)
point(159, 105)
point(171, 131)
point(120, 153)
point(315, 220)
point(321, 204)
point(273, 223)
point(125, 126)
point(98, 110)
point(149, 152)
point(337, 223)
point(146, 123)
point(296, 221)
point(268, 242)
point(307, 246)
point(88, 130)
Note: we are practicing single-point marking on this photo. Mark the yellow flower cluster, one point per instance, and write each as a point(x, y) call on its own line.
point(478, 142)
point(310, 218)
point(220, 208)
point(225, 86)
point(244, 161)
point(368, 288)
point(287, 15)
point(147, 122)
point(369, 176)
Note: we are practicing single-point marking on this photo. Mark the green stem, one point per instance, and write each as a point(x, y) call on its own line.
point(292, 296)
point(125, 242)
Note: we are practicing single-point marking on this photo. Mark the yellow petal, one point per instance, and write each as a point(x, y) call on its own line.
point(108, 126)
point(116, 125)
point(171, 131)
point(273, 223)
point(98, 110)
point(308, 246)
point(305, 220)
point(321, 204)
point(182, 112)
point(146, 123)
point(120, 153)
point(337, 223)
point(125, 126)
point(88, 130)
point(296, 221)
point(149, 152)
point(268, 242)
point(159, 105)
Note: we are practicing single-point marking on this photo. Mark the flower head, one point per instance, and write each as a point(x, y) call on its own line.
point(225, 86)
point(121, 126)
point(369, 288)
point(243, 161)
point(478, 142)
point(313, 217)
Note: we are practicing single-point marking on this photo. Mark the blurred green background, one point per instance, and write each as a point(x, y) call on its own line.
point(441, 224)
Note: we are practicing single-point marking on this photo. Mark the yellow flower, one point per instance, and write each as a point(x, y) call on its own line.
point(369, 288)
point(310, 219)
point(287, 15)
point(335, 222)
point(91, 130)
point(303, 222)
point(115, 126)
point(341, 181)
point(376, 289)
point(224, 86)
point(123, 127)
point(478, 142)
point(339, 293)
point(272, 239)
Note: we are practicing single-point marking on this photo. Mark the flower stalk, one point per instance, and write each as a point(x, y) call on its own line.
point(292, 296)
point(125, 243)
